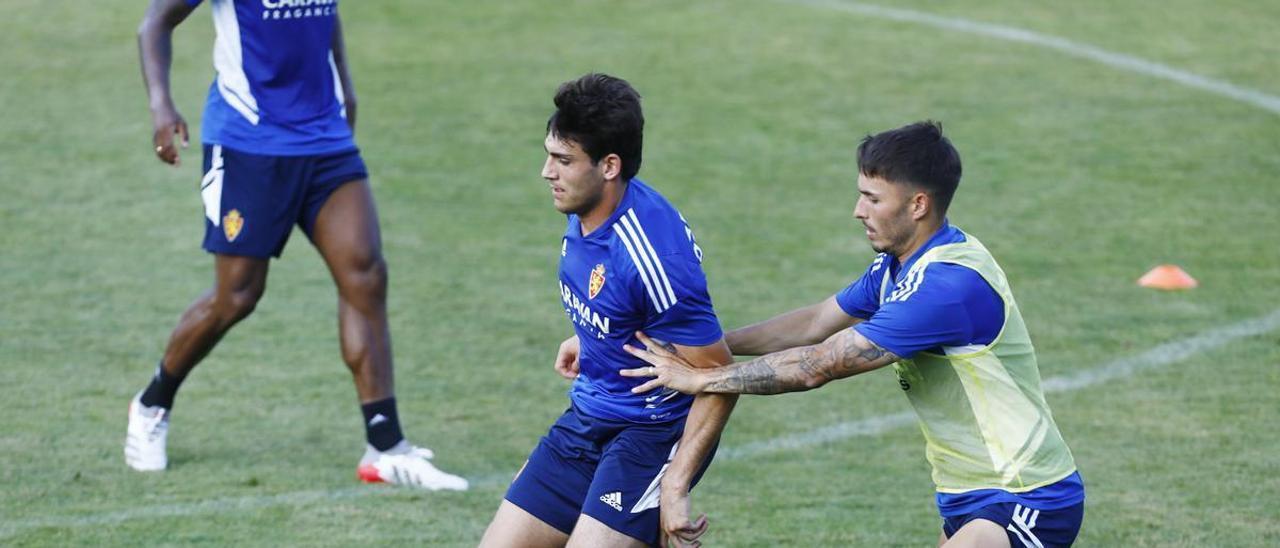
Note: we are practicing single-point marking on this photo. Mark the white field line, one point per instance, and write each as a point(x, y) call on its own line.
point(1158, 356)
point(1119, 61)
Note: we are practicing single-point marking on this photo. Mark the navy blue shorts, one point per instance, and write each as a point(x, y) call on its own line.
point(251, 202)
point(1026, 526)
point(609, 470)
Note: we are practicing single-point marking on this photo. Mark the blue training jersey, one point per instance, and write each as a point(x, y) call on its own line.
point(941, 305)
point(276, 91)
point(641, 270)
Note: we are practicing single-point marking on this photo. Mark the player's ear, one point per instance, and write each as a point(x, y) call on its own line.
point(921, 205)
point(611, 166)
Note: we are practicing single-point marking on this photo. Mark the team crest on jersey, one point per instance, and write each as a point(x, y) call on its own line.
point(231, 224)
point(597, 281)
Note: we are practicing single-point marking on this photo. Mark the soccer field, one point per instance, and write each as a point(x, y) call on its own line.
point(1099, 139)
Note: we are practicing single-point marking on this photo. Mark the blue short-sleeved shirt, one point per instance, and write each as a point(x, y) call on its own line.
point(639, 271)
point(276, 91)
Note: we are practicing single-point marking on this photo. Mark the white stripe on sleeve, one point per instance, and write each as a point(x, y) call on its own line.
point(646, 261)
point(662, 273)
point(640, 268)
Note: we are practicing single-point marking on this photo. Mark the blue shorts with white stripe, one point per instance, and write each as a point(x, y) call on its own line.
point(1026, 527)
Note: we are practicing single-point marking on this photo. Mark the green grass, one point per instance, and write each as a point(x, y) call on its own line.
point(1078, 176)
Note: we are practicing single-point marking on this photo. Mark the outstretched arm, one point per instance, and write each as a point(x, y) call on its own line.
point(803, 326)
point(155, 47)
point(842, 355)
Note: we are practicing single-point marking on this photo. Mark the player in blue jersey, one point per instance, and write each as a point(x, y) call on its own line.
point(278, 151)
point(936, 305)
point(628, 262)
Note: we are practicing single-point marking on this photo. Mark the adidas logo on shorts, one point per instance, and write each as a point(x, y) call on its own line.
point(613, 499)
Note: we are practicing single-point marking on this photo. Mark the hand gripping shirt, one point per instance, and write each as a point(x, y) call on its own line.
point(969, 371)
point(641, 270)
point(276, 91)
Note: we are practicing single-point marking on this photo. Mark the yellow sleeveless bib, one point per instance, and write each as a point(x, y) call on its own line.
point(981, 408)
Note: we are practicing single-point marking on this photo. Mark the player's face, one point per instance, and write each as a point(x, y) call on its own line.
point(884, 209)
point(577, 183)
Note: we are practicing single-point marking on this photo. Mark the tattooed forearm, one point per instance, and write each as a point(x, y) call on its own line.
point(802, 368)
point(857, 353)
point(792, 370)
point(753, 377)
point(814, 365)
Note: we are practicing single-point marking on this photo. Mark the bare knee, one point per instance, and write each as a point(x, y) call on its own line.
point(236, 304)
point(364, 279)
point(240, 284)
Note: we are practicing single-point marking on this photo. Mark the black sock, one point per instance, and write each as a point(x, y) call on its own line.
point(382, 424)
point(162, 389)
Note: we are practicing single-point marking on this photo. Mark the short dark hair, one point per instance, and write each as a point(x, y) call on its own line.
point(918, 155)
point(601, 114)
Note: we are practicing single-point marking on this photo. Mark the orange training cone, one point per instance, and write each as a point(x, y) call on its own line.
point(1168, 277)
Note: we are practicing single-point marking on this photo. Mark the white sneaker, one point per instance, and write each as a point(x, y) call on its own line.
point(406, 464)
point(144, 442)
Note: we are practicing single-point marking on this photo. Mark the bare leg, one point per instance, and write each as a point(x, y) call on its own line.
point(348, 238)
point(238, 285)
point(591, 532)
point(512, 526)
point(979, 533)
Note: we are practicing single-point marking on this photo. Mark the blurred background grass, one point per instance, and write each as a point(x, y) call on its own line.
point(1078, 176)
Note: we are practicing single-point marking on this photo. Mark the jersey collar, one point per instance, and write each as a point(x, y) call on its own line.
point(603, 231)
point(946, 234)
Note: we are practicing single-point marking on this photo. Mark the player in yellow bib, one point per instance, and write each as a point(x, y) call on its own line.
point(936, 306)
